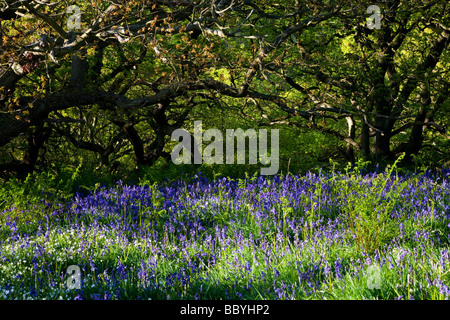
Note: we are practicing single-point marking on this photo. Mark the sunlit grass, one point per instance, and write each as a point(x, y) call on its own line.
point(292, 237)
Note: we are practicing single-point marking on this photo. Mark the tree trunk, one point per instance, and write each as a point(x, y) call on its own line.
point(381, 146)
point(79, 69)
point(365, 141)
point(350, 154)
point(416, 137)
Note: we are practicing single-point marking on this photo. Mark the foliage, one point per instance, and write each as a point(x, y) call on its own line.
point(110, 92)
point(286, 237)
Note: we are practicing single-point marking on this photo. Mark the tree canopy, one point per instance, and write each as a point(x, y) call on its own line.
point(117, 79)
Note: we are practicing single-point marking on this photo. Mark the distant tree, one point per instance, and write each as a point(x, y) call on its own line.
point(389, 85)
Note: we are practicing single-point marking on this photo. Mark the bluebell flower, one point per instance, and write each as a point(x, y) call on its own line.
point(279, 293)
point(327, 270)
point(338, 268)
point(276, 273)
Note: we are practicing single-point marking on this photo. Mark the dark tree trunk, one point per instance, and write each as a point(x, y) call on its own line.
point(349, 152)
point(36, 140)
point(135, 139)
point(365, 141)
point(416, 137)
point(79, 69)
point(382, 144)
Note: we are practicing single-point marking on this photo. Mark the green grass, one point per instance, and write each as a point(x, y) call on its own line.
point(305, 237)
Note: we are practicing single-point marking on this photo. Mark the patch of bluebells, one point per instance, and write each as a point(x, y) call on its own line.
point(162, 240)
